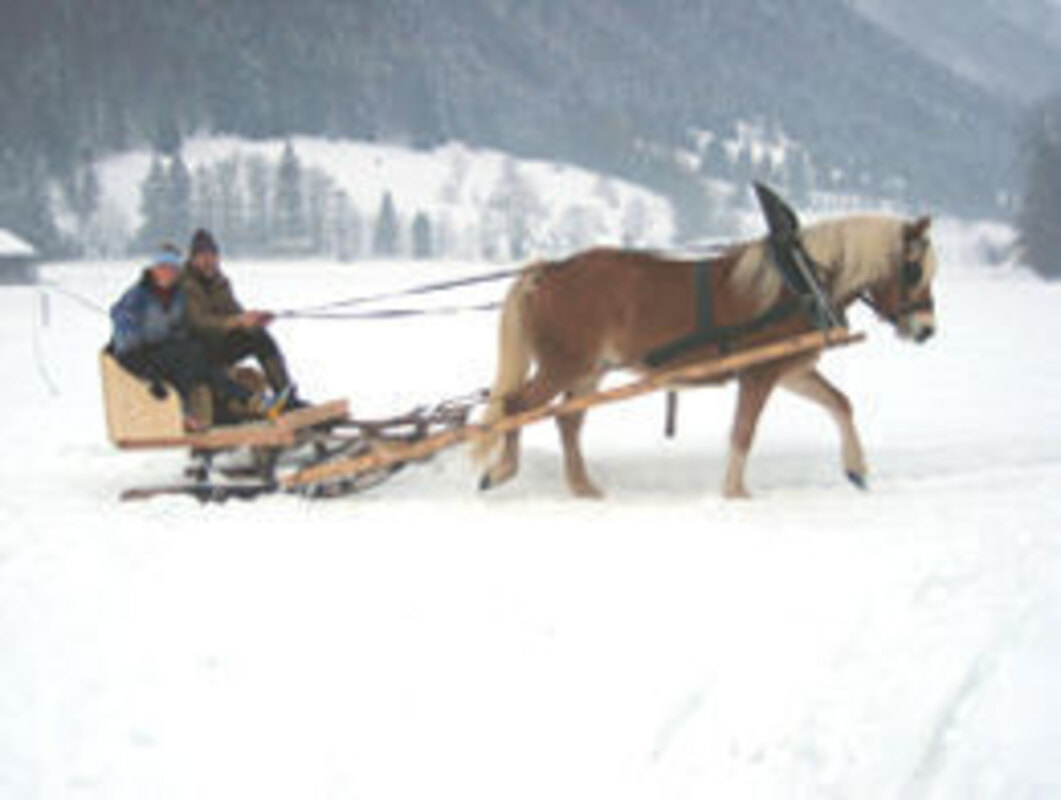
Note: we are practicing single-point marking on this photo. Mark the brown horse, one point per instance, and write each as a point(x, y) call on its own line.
point(573, 320)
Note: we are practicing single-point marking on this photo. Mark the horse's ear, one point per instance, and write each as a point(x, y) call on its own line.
point(917, 229)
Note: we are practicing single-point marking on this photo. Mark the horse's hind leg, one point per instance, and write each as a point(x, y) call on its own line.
point(813, 386)
point(538, 391)
point(570, 426)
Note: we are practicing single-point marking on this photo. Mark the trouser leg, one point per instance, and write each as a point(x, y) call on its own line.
point(259, 344)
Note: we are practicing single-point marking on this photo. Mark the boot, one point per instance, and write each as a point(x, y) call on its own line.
point(285, 395)
point(276, 372)
point(200, 407)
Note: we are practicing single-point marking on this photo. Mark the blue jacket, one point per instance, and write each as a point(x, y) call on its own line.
point(140, 317)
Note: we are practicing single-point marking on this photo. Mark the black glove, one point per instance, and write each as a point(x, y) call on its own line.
point(158, 389)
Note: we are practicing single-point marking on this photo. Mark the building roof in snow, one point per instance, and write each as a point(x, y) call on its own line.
point(12, 246)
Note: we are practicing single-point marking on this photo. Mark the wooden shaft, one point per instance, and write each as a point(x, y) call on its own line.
point(385, 455)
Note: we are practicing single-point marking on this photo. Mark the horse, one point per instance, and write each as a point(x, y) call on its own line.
point(574, 320)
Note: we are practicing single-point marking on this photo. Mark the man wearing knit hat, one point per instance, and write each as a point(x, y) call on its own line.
point(229, 332)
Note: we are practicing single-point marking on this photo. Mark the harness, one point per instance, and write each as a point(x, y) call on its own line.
point(798, 272)
point(707, 332)
point(910, 276)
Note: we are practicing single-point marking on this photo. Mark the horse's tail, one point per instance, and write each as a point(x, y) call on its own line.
point(514, 358)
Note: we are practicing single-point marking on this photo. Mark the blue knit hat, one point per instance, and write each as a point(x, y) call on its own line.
point(167, 257)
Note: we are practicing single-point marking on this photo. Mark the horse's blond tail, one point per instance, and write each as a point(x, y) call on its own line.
point(514, 359)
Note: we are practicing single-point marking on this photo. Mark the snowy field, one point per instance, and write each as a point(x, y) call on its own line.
point(425, 641)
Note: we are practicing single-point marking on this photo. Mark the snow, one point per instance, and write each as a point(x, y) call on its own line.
point(424, 640)
point(14, 246)
point(453, 183)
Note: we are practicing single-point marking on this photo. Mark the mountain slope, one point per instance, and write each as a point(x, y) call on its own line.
point(1011, 48)
point(613, 85)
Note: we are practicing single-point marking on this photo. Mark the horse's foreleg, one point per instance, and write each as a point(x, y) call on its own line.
point(813, 386)
point(753, 392)
point(570, 432)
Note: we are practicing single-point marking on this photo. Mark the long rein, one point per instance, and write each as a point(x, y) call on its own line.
point(348, 308)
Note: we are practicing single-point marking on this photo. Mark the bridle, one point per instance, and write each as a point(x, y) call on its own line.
point(911, 273)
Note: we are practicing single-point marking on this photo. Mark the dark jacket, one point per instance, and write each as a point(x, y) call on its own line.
point(212, 306)
point(145, 315)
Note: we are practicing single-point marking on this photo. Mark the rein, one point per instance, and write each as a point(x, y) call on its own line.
point(339, 309)
point(387, 313)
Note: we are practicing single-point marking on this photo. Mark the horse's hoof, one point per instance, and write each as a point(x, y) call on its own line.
point(740, 493)
point(588, 493)
point(858, 479)
point(485, 483)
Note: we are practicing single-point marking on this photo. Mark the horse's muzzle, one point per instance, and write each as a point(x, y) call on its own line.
point(922, 335)
point(918, 327)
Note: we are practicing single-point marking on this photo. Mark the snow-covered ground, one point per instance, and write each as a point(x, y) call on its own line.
point(424, 640)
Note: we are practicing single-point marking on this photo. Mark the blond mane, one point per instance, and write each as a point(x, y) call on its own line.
point(854, 253)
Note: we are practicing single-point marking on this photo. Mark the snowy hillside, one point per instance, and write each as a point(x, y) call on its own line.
point(477, 203)
point(424, 640)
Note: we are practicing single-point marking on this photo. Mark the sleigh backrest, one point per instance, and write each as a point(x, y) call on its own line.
point(135, 417)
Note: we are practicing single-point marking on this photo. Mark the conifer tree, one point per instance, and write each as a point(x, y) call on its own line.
point(258, 223)
point(423, 247)
point(153, 200)
point(1040, 209)
point(178, 201)
point(385, 237)
point(289, 209)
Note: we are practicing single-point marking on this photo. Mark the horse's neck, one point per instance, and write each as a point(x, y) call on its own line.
point(854, 253)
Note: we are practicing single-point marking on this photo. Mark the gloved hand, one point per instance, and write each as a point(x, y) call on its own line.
point(158, 389)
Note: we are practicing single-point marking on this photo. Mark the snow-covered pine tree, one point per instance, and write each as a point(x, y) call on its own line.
point(423, 246)
point(1040, 209)
point(154, 197)
point(259, 213)
point(292, 231)
point(179, 201)
point(386, 236)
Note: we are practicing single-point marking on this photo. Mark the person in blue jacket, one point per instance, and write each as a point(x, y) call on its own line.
point(151, 339)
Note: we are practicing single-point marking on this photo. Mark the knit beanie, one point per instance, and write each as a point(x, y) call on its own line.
point(203, 242)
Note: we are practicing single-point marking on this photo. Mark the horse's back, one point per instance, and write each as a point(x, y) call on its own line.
point(609, 303)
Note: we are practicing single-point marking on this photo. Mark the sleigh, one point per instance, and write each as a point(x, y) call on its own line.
point(258, 457)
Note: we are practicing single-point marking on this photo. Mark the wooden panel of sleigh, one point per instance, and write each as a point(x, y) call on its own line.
point(760, 312)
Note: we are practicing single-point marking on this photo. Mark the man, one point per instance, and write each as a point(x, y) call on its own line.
point(228, 332)
point(150, 339)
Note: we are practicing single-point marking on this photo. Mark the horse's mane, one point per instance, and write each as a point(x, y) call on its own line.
point(854, 252)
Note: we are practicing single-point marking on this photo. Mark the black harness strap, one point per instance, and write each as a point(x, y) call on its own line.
point(707, 333)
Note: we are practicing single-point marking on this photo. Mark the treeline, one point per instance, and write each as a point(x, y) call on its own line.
point(1039, 214)
point(280, 207)
point(254, 205)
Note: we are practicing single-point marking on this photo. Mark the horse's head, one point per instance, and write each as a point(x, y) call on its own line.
point(904, 295)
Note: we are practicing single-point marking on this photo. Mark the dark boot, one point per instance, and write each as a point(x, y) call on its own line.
point(200, 407)
point(276, 372)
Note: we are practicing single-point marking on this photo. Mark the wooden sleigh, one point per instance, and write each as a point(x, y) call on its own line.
point(321, 451)
point(137, 419)
point(271, 448)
